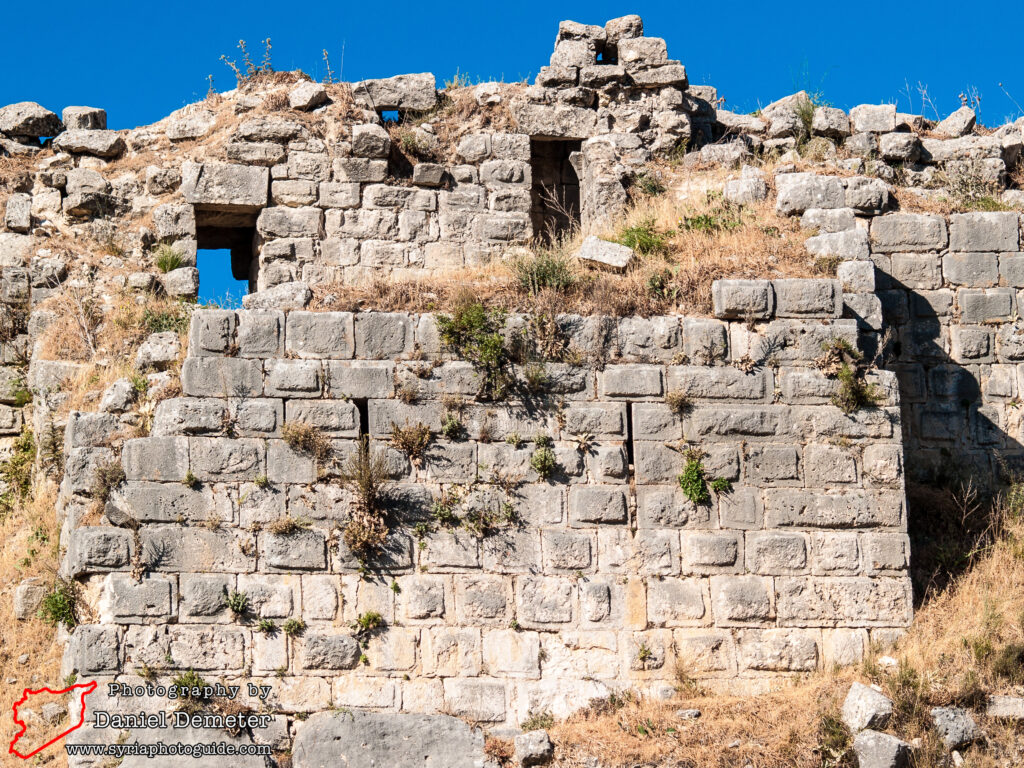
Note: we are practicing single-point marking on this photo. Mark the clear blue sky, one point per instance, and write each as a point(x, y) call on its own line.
point(140, 61)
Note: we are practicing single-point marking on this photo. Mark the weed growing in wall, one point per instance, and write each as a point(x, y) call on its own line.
point(166, 258)
point(695, 483)
point(307, 439)
point(59, 605)
point(365, 473)
point(474, 333)
point(844, 362)
point(412, 440)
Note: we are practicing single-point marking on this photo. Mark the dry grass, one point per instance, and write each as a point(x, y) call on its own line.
point(774, 730)
point(28, 549)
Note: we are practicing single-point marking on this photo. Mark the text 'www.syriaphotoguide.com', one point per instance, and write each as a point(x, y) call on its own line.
point(167, 750)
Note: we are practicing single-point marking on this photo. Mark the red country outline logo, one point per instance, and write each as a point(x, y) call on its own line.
point(87, 688)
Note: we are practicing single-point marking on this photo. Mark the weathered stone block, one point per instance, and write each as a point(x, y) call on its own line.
point(221, 377)
point(741, 599)
point(908, 232)
point(320, 334)
point(673, 602)
point(740, 299)
point(992, 232)
point(225, 187)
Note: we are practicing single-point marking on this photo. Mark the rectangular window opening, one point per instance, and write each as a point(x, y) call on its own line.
point(555, 205)
point(226, 258)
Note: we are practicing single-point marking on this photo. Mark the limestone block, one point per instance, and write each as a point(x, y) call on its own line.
point(777, 650)
point(881, 750)
point(148, 601)
point(797, 192)
point(864, 707)
point(741, 599)
point(974, 232)
point(674, 602)
point(898, 232)
point(320, 334)
point(221, 377)
point(873, 118)
point(225, 187)
point(322, 651)
point(739, 299)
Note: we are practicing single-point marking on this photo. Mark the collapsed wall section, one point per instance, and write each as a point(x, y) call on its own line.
point(542, 550)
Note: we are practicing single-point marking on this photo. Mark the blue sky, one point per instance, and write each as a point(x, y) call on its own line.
point(140, 61)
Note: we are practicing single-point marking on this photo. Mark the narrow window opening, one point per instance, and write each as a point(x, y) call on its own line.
point(629, 437)
point(390, 116)
point(555, 207)
point(226, 256)
point(363, 410)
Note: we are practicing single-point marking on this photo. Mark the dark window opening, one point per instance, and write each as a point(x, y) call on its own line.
point(555, 208)
point(610, 55)
point(226, 256)
point(363, 409)
point(390, 116)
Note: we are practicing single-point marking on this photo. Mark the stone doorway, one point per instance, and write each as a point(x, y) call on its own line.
point(555, 206)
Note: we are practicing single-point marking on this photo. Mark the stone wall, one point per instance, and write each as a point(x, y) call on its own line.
point(607, 576)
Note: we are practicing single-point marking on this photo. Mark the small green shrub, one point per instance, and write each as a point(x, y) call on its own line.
point(190, 480)
point(834, 742)
point(546, 269)
point(452, 427)
point(542, 440)
point(721, 485)
point(174, 319)
point(537, 721)
point(854, 392)
point(805, 111)
point(543, 462)
point(59, 605)
point(238, 603)
point(644, 238)
point(16, 471)
point(649, 184)
point(535, 376)
point(261, 481)
point(695, 483)
point(365, 473)
point(293, 627)
point(474, 333)
point(167, 259)
point(266, 626)
point(19, 394)
point(692, 480)
point(368, 622)
point(514, 439)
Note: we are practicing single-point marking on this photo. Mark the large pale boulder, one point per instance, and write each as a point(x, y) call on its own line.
point(372, 740)
point(29, 120)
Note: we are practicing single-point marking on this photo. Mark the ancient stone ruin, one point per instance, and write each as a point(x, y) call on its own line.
point(602, 503)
